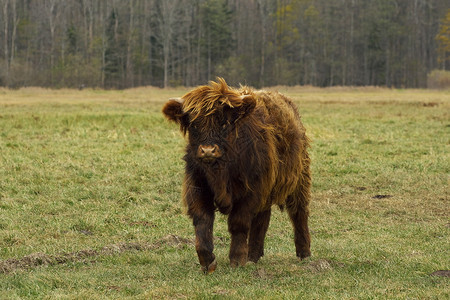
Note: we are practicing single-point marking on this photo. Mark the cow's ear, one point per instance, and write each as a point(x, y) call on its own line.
point(248, 105)
point(173, 110)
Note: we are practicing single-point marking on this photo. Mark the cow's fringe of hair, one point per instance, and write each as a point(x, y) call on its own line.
point(205, 100)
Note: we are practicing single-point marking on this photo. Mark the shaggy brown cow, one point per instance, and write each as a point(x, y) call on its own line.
point(247, 151)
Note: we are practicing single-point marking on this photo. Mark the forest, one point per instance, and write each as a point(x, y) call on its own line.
point(123, 44)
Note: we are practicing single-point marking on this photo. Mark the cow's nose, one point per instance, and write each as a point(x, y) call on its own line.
point(208, 152)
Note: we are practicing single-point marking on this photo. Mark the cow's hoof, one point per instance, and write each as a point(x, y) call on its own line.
point(304, 254)
point(238, 263)
point(255, 256)
point(211, 268)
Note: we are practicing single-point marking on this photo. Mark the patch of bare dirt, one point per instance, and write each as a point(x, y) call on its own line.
point(430, 104)
point(174, 241)
point(318, 266)
point(382, 196)
point(220, 292)
point(322, 265)
point(441, 273)
point(262, 274)
point(41, 259)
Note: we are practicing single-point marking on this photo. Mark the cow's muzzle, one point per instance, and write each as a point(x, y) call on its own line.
point(208, 153)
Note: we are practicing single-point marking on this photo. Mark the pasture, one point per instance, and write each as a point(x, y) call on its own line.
point(90, 185)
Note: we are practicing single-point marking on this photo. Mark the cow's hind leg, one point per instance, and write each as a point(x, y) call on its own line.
point(298, 212)
point(258, 230)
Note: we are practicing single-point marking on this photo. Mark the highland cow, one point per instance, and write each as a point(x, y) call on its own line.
point(246, 151)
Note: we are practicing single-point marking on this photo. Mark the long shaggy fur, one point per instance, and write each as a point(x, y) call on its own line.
point(265, 162)
point(272, 138)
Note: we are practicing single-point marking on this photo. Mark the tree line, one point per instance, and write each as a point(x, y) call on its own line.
point(121, 44)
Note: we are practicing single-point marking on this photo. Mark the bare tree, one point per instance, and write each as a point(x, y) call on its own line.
point(5, 4)
point(119, 44)
point(168, 13)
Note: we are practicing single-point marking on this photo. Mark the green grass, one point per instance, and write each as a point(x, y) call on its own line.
point(90, 186)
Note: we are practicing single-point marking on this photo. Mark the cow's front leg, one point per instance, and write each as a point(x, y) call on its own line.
point(239, 223)
point(203, 225)
point(201, 209)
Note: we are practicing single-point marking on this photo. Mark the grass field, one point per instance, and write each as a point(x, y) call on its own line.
point(90, 207)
